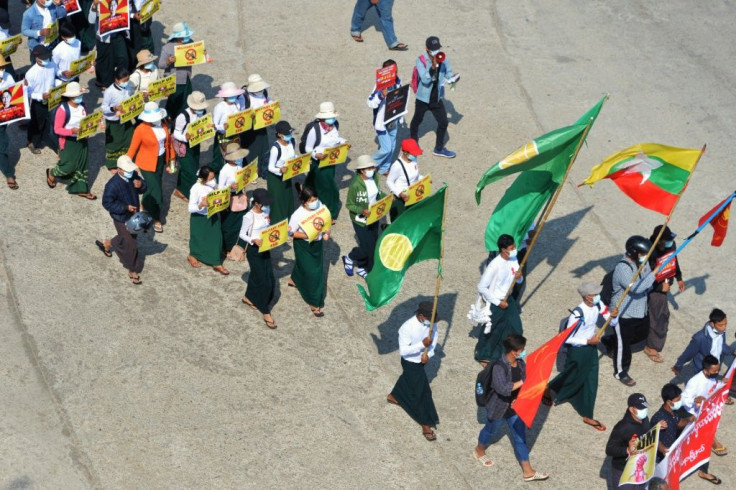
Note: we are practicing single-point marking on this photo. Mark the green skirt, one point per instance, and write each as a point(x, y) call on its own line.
point(205, 239)
point(308, 273)
point(413, 393)
point(117, 141)
point(177, 102)
point(153, 198)
point(261, 280)
point(231, 224)
point(503, 323)
point(282, 195)
point(578, 381)
point(188, 167)
point(218, 161)
point(73, 166)
point(323, 181)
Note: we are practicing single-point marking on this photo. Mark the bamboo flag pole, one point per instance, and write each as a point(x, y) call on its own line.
point(599, 334)
point(439, 273)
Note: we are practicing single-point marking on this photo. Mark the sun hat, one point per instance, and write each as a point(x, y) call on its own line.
point(196, 101)
point(411, 146)
point(126, 164)
point(365, 161)
point(256, 83)
point(73, 89)
point(326, 111)
point(229, 89)
point(233, 151)
point(181, 31)
point(144, 57)
point(152, 113)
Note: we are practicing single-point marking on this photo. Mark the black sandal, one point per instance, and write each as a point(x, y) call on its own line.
point(102, 248)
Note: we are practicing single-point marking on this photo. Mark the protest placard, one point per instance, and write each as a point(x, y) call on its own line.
point(89, 125)
point(297, 166)
point(274, 235)
point(335, 155)
point(267, 115)
point(149, 8)
point(201, 130)
point(218, 200)
point(189, 54)
point(397, 104)
point(379, 209)
point(77, 67)
point(246, 175)
point(131, 107)
point(385, 77)
point(15, 106)
point(9, 45)
point(239, 122)
point(318, 222)
point(419, 191)
point(113, 16)
point(163, 87)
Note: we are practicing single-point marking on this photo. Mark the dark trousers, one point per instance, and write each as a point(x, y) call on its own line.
point(363, 254)
point(110, 56)
point(628, 332)
point(125, 246)
point(440, 115)
point(140, 35)
point(6, 168)
point(659, 320)
point(39, 128)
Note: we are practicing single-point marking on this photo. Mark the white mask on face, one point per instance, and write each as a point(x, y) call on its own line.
point(677, 405)
point(370, 173)
point(314, 205)
point(642, 414)
point(513, 253)
point(211, 183)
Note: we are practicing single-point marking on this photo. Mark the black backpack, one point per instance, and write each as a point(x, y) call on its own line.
point(318, 135)
point(607, 283)
point(483, 384)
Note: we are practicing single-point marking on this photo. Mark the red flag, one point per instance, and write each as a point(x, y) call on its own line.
point(719, 222)
point(538, 368)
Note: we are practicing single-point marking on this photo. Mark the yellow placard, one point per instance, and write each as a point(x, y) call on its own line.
point(77, 67)
point(267, 115)
point(239, 122)
point(189, 54)
point(379, 209)
point(131, 107)
point(89, 125)
point(149, 8)
point(158, 89)
point(246, 175)
point(201, 130)
point(318, 222)
point(274, 235)
point(55, 95)
point(419, 191)
point(217, 201)
point(335, 155)
point(53, 32)
point(297, 166)
point(10, 44)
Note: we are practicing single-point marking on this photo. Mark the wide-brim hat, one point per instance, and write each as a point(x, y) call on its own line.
point(256, 83)
point(229, 89)
point(197, 101)
point(3, 61)
point(73, 89)
point(144, 57)
point(364, 161)
point(233, 151)
point(126, 164)
point(326, 111)
point(180, 31)
point(152, 113)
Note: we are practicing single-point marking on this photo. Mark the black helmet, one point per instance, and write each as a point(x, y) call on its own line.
point(140, 221)
point(636, 245)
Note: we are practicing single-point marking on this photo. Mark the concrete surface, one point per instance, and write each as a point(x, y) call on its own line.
point(175, 384)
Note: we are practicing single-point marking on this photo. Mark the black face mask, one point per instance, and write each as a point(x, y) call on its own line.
point(714, 376)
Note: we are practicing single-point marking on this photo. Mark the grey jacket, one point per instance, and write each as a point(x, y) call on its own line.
point(502, 387)
point(635, 304)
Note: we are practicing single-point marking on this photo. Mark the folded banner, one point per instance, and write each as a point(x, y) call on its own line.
point(420, 190)
point(131, 107)
point(335, 155)
point(379, 209)
point(297, 166)
point(163, 87)
point(641, 462)
point(53, 32)
point(9, 45)
point(274, 235)
point(77, 67)
point(190, 54)
point(267, 115)
point(239, 122)
point(246, 175)
point(316, 223)
point(72, 7)
point(149, 8)
point(89, 125)
point(14, 104)
point(113, 16)
point(200, 130)
point(55, 95)
point(217, 201)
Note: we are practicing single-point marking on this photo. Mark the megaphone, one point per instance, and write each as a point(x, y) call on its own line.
point(440, 57)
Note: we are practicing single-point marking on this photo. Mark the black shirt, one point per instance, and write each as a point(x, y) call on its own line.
point(515, 376)
point(434, 91)
point(669, 435)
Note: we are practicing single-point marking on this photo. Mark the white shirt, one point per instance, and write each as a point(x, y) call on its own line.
point(287, 153)
point(227, 175)
point(497, 279)
point(196, 194)
point(328, 140)
point(6, 80)
point(63, 55)
point(220, 113)
point(40, 79)
point(180, 126)
point(411, 336)
point(139, 80)
point(372, 189)
point(75, 116)
point(299, 215)
point(396, 180)
point(113, 97)
point(588, 326)
point(253, 224)
point(716, 347)
point(698, 385)
point(46, 14)
point(256, 100)
point(161, 137)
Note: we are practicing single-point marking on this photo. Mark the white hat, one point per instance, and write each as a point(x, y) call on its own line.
point(229, 89)
point(365, 161)
point(152, 113)
point(181, 31)
point(126, 164)
point(197, 101)
point(233, 152)
point(73, 89)
point(256, 83)
point(326, 111)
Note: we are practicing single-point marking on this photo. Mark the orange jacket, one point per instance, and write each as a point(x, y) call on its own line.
point(143, 148)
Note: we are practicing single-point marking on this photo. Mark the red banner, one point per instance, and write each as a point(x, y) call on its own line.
point(386, 77)
point(114, 16)
point(669, 270)
point(539, 366)
point(14, 104)
point(719, 222)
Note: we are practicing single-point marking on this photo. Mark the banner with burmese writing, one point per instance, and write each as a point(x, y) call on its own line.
point(89, 125)
point(55, 95)
point(379, 209)
point(217, 201)
point(297, 166)
point(274, 235)
point(246, 175)
point(419, 191)
point(72, 7)
point(131, 107)
point(9, 45)
point(149, 8)
point(163, 87)
point(239, 122)
point(77, 67)
point(335, 155)
point(267, 115)
point(189, 54)
point(318, 222)
point(201, 130)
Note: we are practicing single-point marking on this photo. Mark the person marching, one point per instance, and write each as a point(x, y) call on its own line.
point(188, 157)
point(385, 133)
point(117, 134)
point(39, 79)
point(578, 380)
point(35, 22)
point(261, 280)
point(412, 391)
point(364, 191)
point(7, 168)
point(280, 190)
point(308, 273)
point(151, 149)
point(495, 282)
point(507, 377)
point(323, 133)
point(205, 234)
point(670, 412)
point(145, 72)
point(74, 154)
point(256, 140)
point(112, 50)
point(4, 34)
point(403, 174)
point(711, 339)
point(657, 304)
point(624, 435)
point(176, 102)
point(231, 220)
point(141, 36)
point(121, 199)
point(68, 50)
point(229, 93)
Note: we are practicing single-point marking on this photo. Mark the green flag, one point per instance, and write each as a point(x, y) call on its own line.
point(544, 162)
point(416, 235)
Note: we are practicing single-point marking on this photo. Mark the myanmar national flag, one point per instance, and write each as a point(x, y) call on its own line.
point(652, 175)
point(414, 236)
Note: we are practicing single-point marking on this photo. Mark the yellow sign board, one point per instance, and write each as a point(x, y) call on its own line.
point(318, 222)
point(267, 115)
point(217, 201)
point(246, 175)
point(419, 191)
point(55, 95)
point(335, 155)
point(201, 130)
point(53, 32)
point(131, 107)
point(89, 125)
point(149, 8)
point(297, 166)
point(163, 87)
point(77, 67)
point(239, 122)
point(274, 235)
point(189, 54)
point(379, 209)
point(10, 44)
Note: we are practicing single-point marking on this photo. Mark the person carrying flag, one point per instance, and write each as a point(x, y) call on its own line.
point(578, 381)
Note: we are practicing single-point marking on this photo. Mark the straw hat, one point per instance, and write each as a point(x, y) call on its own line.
point(233, 152)
point(144, 57)
point(152, 113)
point(126, 164)
point(181, 31)
point(326, 111)
point(365, 161)
point(196, 101)
point(229, 89)
point(73, 89)
point(256, 83)
point(3, 61)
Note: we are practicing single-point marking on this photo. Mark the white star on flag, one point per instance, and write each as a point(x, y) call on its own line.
point(643, 165)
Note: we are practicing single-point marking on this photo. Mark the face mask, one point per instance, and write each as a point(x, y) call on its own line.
point(266, 209)
point(238, 162)
point(156, 124)
point(642, 414)
point(257, 94)
point(186, 40)
point(677, 405)
point(412, 158)
point(435, 52)
point(44, 62)
point(669, 243)
point(48, 3)
point(71, 41)
point(200, 113)
point(123, 84)
point(522, 355)
point(714, 376)
point(513, 253)
point(211, 183)
point(288, 137)
point(597, 299)
point(150, 66)
point(78, 100)
point(370, 173)
point(425, 323)
point(641, 260)
point(331, 121)
point(128, 175)
point(313, 205)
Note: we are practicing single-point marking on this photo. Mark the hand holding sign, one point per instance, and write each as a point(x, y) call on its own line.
point(274, 235)
point(379, 209)
point(419, 191)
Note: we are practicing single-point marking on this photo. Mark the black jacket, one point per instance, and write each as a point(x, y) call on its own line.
point(120, 194)
point(621, 434)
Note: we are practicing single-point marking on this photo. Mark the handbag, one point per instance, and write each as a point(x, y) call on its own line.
point(180, 148)
point(237, 253)
point(238, 202)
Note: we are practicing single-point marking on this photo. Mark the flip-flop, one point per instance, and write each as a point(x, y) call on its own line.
point(720, 451)
point(656, 357)
point(221, 270)
point(135, 279)
point(316, 312)
point(429, 435)
point(194, 262)
point(49, 182)
point(246, 302)
point(272, 324)
point(87, 195)
point(358, 38)
point(158, 227)
point(597, 425)
point(537, 476)
point(102, 248)
point(13, 185)
point(399, 47)
point(713, 479)
point(484, 460)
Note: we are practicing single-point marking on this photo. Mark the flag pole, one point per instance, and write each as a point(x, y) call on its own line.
point(439, 271)
point(599, 334)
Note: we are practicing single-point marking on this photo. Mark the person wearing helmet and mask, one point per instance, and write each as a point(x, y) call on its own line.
point(121, 199)
point(633, 324)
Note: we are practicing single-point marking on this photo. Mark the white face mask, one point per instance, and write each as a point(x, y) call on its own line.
point(513, 253)
point(597, 299)
point(314, 205)
point(642, 414)
point(677, 405)
point(211, 183)
point(370, 173)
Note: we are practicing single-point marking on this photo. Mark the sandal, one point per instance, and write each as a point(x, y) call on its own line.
point(654, 355)
point(102, 248)
point(270, 323)
point(729, 401)
point(221, 270)
point(247, 302)
point(12, 183)
point(595, 424)
point(400, 47)
point(49, 182)
point(317, 312)
point(484, 460)
point(291, 283)
point(134, 278)
point(181, 196)
point(710, 478)
point(392, 400)
point(87, 195)
point(194, 262)
point(429, 434)
point(158, 227)
point(357, 38)
point(720, 450)
point(537, 476)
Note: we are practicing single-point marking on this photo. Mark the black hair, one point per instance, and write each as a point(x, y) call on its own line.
point(121, 72)
point(306, 193)
point(66, 30)
point(709, 361)
point(514, 342)
point(657, 483)
point(504, 241)
point(203, 173)
point(717, 315)
point(670, 392)
point(388, 62)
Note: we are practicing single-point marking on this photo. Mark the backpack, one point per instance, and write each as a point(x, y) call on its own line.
point(415, 74)
point(278, 148)
point(247, 97)
point(67, 116)
point(318, 135)
point(607, 283)
point(483, 382)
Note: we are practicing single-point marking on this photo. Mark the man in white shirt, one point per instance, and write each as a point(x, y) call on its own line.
point(417, 343)
point(404, 173)
point(68, 50)
point(39, 80)
point(494, 285)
